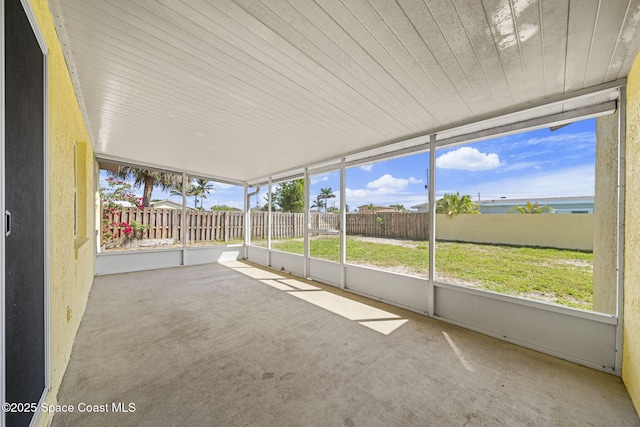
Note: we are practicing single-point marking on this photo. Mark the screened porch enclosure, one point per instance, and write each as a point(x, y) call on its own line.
point(325, 246)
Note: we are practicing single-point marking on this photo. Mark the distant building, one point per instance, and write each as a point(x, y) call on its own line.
point(166, 204)
point(422, 207)
point(560, 205)
point(124, 204)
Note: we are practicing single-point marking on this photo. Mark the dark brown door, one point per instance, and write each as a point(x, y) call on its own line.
point(25, 201)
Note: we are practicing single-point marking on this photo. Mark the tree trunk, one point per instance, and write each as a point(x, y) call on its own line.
point(148, 189)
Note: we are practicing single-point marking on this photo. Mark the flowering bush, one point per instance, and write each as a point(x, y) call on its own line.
point(114, 231)
point(118, 191)
point(132, 230)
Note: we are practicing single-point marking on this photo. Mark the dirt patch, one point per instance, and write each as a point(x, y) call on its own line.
point(396, 242)
point(576, 262)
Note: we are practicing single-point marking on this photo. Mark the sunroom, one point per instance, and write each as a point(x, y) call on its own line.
point(287, 141)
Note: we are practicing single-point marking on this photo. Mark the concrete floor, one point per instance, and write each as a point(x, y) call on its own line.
point(213, 345)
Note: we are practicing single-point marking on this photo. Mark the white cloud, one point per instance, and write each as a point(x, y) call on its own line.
point(359, 194)
point(367, 167)
point(468, 158)
point(387, 184)
point(385, 191)
point(318, 179)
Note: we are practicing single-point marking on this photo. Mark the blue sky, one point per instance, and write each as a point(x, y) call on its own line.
point(541, 163)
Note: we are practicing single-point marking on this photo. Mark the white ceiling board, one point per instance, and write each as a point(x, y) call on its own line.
point(434, 54)
point(313, 43)
point(404, 43)
point(624, 52)
point(500, 15)
point(611, 15)
point(355, 97)
point(582, 23)
point(553, 32)
point(473, 16)
point(250, 94)
point(247, 89)
point(529, 36)
point(458, 42)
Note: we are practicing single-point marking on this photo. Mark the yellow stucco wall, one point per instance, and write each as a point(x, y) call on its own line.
point(631, 334)
point(605, 228)
point(71, 254)
point(555, 231)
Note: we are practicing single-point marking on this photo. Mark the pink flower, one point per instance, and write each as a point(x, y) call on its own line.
point(127, 230)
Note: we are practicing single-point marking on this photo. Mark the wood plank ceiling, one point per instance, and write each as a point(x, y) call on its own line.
point(242, 89)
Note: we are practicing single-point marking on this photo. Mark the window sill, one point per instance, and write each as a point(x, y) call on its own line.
point(79, 242)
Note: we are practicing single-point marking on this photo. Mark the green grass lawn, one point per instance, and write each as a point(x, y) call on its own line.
point(560, 276)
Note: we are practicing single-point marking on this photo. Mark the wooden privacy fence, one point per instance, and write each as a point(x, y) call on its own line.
point(392, 225)
point(283, 225)
point(167, 224)
point(160, 223)
point(222, 226)
point(225, 226)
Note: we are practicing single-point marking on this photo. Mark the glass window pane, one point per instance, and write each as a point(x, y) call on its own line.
point(516, 215)
point(324, 216)
point(214, 214)
point(131, 218)
point(387, 223)
point(287, 231)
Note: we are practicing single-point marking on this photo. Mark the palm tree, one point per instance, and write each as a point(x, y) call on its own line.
point(326, 193)
point(318, 203)
point(399, 208)
point(147, 178)
point(371, 208)
point(177, 191)
point(200, 188)
point(454, 204)
point(529, 208)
